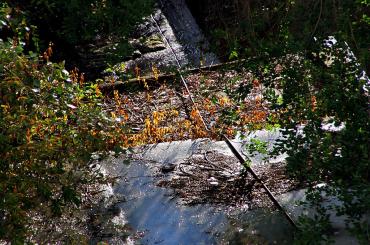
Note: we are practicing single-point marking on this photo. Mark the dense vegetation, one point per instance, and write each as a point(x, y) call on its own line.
point(324, 114)
point(50, 122)
point(257, 27)
point(51, 119)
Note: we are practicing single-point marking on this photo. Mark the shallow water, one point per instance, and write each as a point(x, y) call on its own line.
point(163, 219)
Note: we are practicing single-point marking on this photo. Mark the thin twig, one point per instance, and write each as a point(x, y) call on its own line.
point(318, 20)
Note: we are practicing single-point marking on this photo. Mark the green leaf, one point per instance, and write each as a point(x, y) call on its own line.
point(233, 55)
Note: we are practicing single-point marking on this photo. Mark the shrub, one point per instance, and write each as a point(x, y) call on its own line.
point(324, 112)
point(257, 27)
point(50, 122)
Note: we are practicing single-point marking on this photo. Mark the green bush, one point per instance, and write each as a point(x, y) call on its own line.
point(50, 123)
point(327, 89)
point(258, 27)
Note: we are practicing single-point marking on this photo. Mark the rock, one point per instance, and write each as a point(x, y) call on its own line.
point(168, 167)
point(148, 40)
point(182, 32)
point(188, 32)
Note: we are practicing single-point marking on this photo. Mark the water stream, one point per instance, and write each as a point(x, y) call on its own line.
point(164, 219)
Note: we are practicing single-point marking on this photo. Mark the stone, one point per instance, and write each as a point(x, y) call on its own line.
point(168, 167)
point(180, 30)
